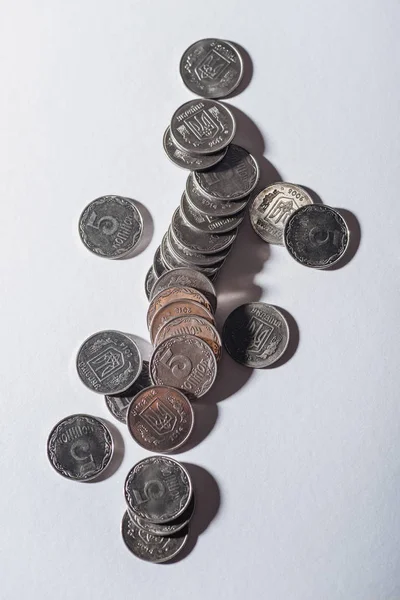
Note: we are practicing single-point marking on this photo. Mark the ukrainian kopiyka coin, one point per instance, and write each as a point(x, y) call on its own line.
point(169, 528)
point(80, 447)
point(149, 282)
point(160, 419)
point(118, 405)
point(175, 293)
point(205, 223)
point(316, 236)
point(206, 243)
point(158, 266)
point(191, 325)
point(255, 335)
point(232, 179)
point(152, 548)
point(209, 206)
point(271, 208)
point(186, 277)
point(211, 68)
point(194, 257)
point(186, 160)
point(202, 126)
point(109, 362)
point(168, 257)
point(158, 489)
point(111, 226)
point(177, 308)
point(184, 362)
point(174, 253)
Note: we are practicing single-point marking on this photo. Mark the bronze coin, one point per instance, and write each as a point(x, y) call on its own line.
point(175, 293)
point(192, 325)
point(178, 308)
point(160, 418)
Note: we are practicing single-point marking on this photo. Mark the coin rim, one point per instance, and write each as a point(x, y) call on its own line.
point(190, 302)
point(207, 303)
point(211, 292)
point(196, 157)
point(219, 340)
point(193, 226)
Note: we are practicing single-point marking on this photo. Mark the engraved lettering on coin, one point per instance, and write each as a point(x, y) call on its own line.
point(118, 405)
point(194, 257)
point(177, 308)
point(169, 528)
point(149, 282)
point(209, 206)
point(189, 161)
point(205, 223)
point(206, 243)
point(186, 277)
point(191, 325)
point(175, 293)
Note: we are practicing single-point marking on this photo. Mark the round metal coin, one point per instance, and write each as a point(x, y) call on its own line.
point(175, 293)
point(177, 309)
point(149, 282)
point(118, 405)
point(191, 325)
point(80, 447)
point(186, 160)
point(166, 528)
point(205, 223)
point(194, 257)
point(158, 266)
point(109, 362)
point(186, 277)
point(255, 335)
point(202, 126)
point(206, 243)
point(209, 206)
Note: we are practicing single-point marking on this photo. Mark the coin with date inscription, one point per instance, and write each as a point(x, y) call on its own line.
point(177, 308)
point(175, 293)
point(199, 241)
point(118, 405)
point(210, 206)
point(189, 161)
point(189, 277)
point(191, 325)
point(206, 223)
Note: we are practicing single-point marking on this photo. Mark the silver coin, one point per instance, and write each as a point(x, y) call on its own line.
point(205, 223)
point(211, 68)
point(109, 362)
point(111, 226)
point(158, 266)
point(184, 362)
point(152, 548)
point(165, 528)
point(80, 447)
point(209, 206)
point(193, 257)
point(316, 236)
point(158, 489)
point(150, 280)
point(175, 258)
point(255, 335)
point(202, 126)
point(118, 405)
point(198, 241)
point(271, 208)
point(189, 161)
point(186, 277)
point(232, 179)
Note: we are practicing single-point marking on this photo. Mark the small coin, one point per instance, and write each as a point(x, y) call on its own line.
point(168, 257)
point(152, 548)
point(210, 206)
point(191, 325)
point(158, 266)
point(177, 309)
point(111, 226)
point(158, 489)
point(175, 293)
point(118, 405)
point(165, 528)
point(255, 335)
point(160, 419)
point(232, 179)
point(186, 277)
point(194, 257)
point(175, 260)
point(272, 207)
point(150, 280)
point(80, 447)
point(202, 126)
point(109, 362)
point(206, 243)
point(184, 362)
point(316, 236)
point(186, 160)
point(205, 223)
point(211, 68)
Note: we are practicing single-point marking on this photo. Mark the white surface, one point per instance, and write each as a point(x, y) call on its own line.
point(306, 456)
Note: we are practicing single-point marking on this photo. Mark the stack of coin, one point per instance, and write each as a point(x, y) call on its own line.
point(160, 503)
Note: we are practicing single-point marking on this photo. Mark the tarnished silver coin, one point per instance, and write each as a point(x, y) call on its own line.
point(209, 206)
point(192, 239)
point(160, 419)
point(185, 362)
point(316, 236)
point(232, 179)
point(189, 161)
point(186, 277)
point(205, 223)
point(80, 447)
point(202, 126)
point(271, 208)
point(194, 257)
point(152, 548)
point(211, 68)
point(150, 280)
point(109, 362)
point(191, 325)
point(158, 266)
point(158, 489)
point(255, 335)
point(111, 226)
point(118, 405)
point(169, 528)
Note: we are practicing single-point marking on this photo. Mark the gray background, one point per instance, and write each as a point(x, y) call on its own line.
point(306, 456)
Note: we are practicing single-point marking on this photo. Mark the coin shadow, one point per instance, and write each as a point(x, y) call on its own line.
point(248, 70)
point(315, 197)
point(354, 227)
point(118, 454)
point(207, 504)
point(205, 417)
point(147, 235)
point(294, 340)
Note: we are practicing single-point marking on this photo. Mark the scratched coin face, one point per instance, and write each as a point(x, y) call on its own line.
point(109, 362)
point(256, 335)
point(152, 548)
point(194, 257)
point(316, 236)
point(160, 419)
point(158, 489)
point(211, 68)
point(202, 126)
point(189, 161)
point(177, 308)
point(80, 447)
point(272, 207)
point(209, 206)
point(175, 293)
point(149, 282)
point(169, 528)
point(111, 226)
point(201, 222)
point(186, 363)
point(118, 405)
point(191, 325)
point(186, 277)
point(199, 241)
